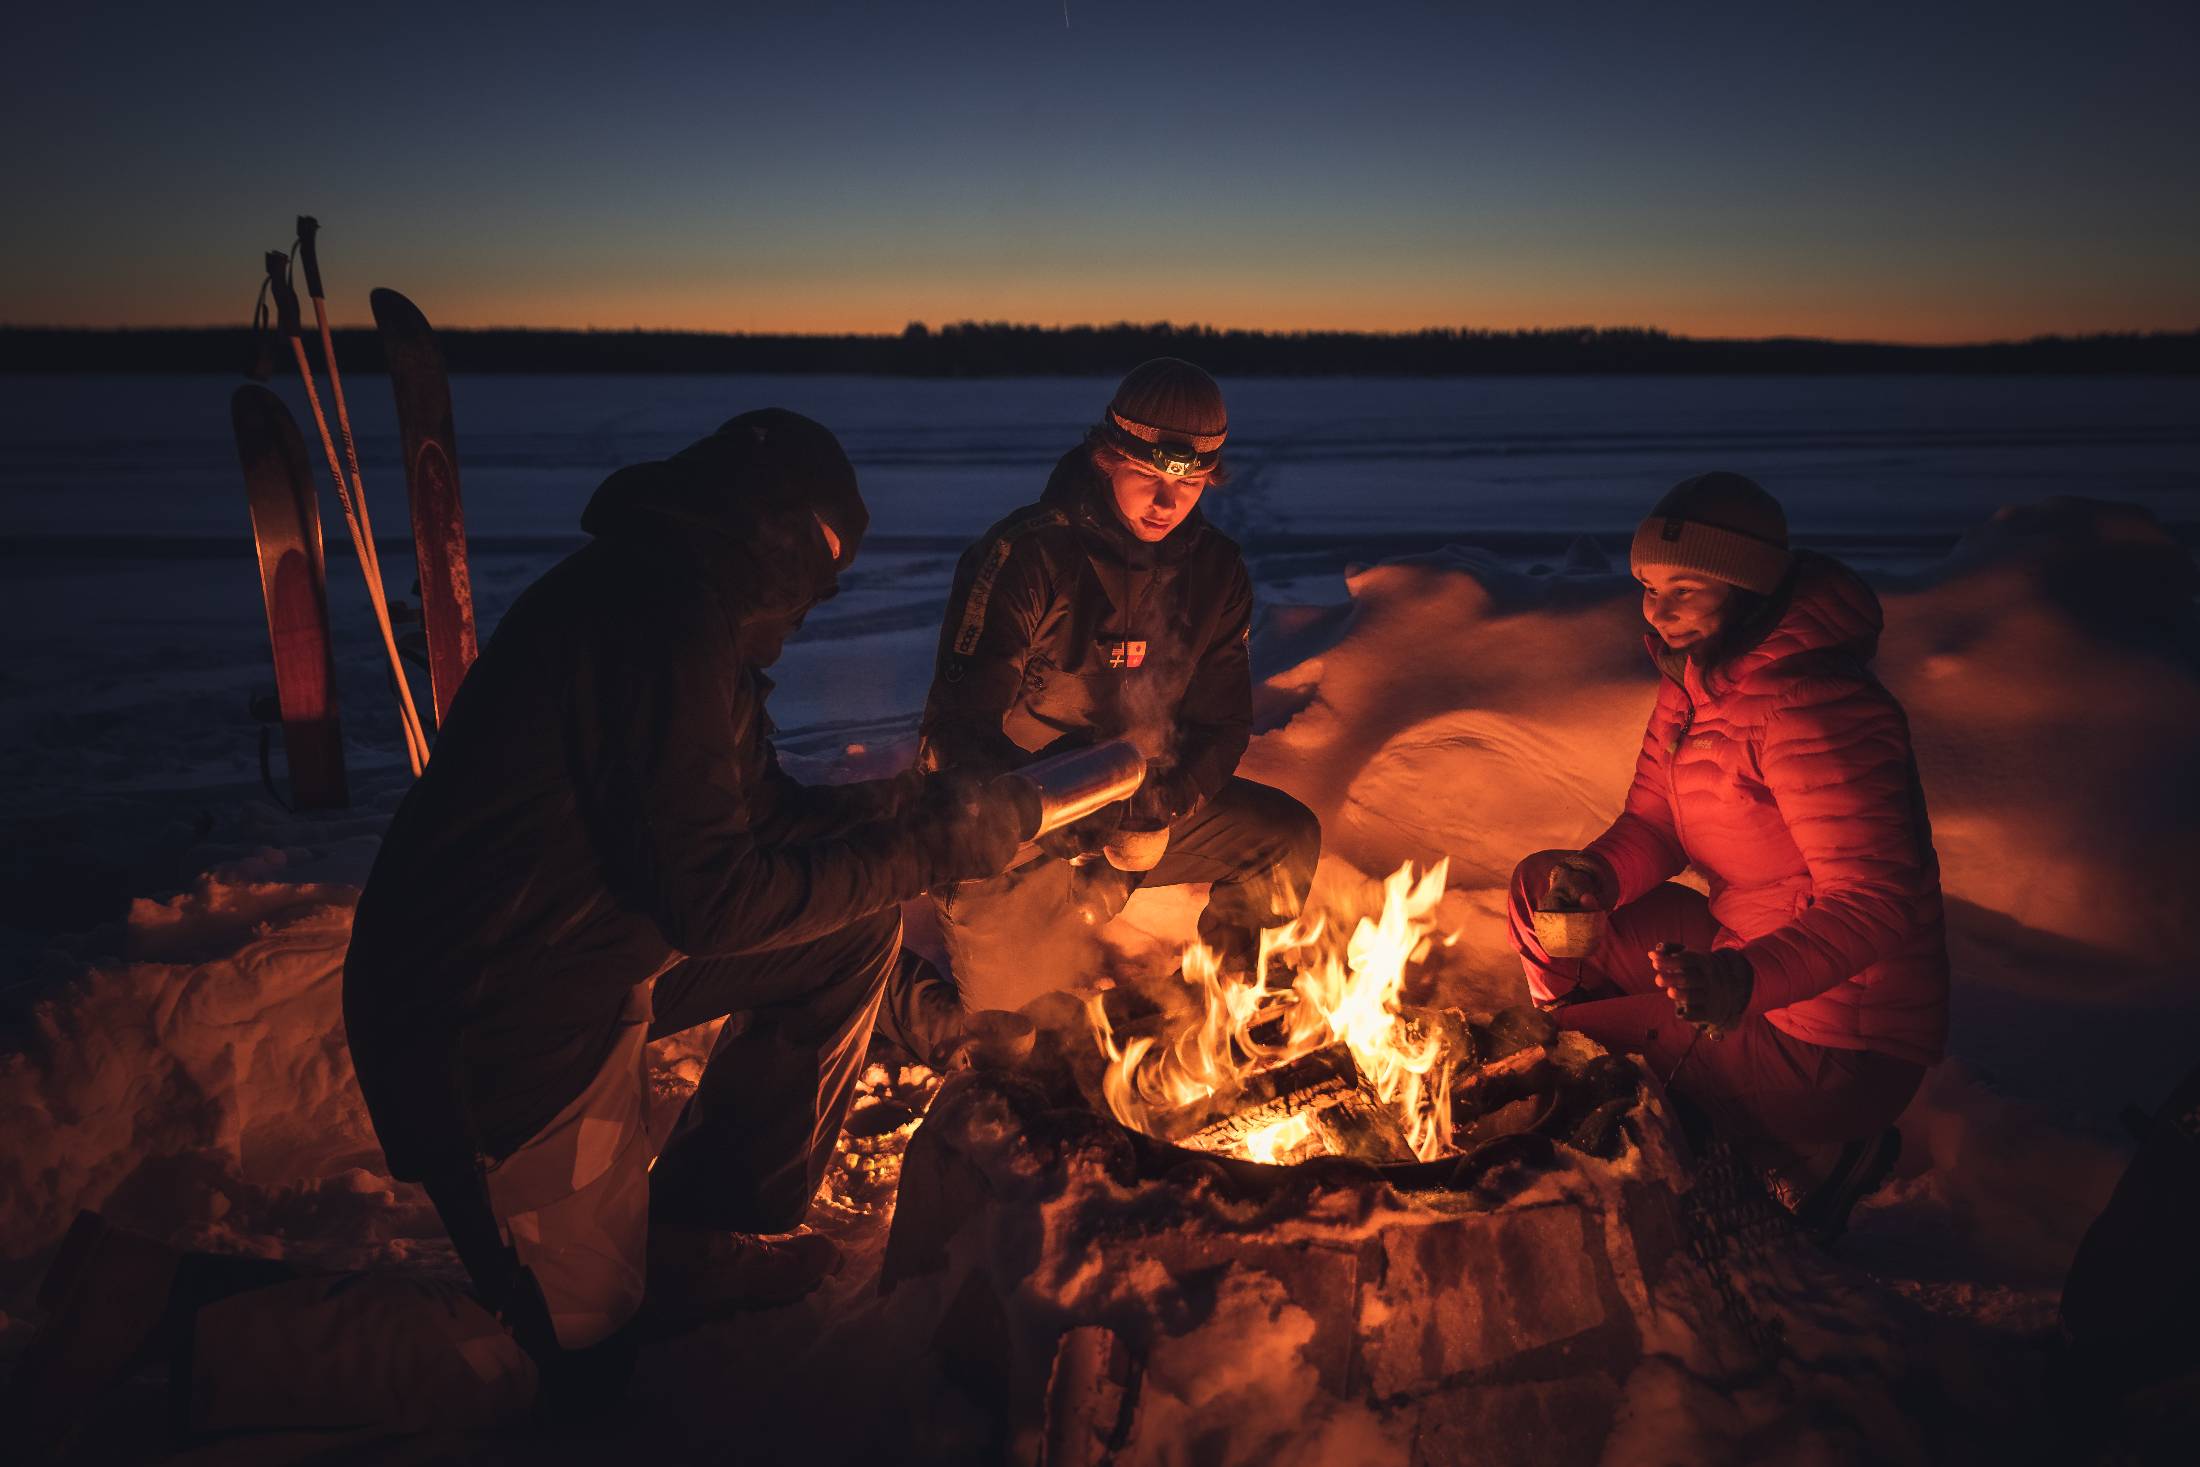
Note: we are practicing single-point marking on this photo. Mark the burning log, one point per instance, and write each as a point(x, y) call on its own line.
point(1502, 1080)
point(1316, 1105)
point(1516, 1093)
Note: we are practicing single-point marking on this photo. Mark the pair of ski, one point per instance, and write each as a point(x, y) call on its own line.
point(287, 531)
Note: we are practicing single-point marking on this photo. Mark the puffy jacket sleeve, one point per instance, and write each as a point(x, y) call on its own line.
point(671, 736)
point(1214, 722)
point(1836, 758)
point(993, 616)
point(808, 811)
point(1643, 846)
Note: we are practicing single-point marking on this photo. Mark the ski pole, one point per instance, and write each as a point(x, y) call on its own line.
point(308, 227)
point(309, 256)
point(362, 539)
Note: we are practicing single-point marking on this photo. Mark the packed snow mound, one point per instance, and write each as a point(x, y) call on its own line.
point(2049, 668)
point(201, 1086)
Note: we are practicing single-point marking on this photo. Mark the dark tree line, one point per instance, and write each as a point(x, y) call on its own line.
point(987, 349)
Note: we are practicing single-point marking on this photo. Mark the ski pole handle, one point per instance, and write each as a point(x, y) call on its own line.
point(286, 299)
point(308, 227)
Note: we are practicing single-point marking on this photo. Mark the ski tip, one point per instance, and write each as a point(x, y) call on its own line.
point(392, 309)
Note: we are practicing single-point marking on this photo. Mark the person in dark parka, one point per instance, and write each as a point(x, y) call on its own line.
point(605, 811)
point(603, 849)
point(1110, 609)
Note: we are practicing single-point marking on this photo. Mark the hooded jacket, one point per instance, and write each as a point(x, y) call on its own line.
point(1064, 627)
point(603, 800)
point(1785, 776)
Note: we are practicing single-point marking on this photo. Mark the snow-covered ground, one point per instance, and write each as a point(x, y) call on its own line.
point(1443, 673)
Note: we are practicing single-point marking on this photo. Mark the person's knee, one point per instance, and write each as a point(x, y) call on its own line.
point(1290, 832)
point(866, 954)
point(1301, 832)
point(876, 942)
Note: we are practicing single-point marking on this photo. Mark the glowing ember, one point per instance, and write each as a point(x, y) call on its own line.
point(1244, 1028)
point(1272, 1143)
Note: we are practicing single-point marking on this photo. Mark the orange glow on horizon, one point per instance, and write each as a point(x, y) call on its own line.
point(1921, 313)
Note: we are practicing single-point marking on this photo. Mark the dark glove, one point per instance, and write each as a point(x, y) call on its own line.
point(1710, 990)
point(1576, 883)
point(1083, 840)
point(1165, 798)
point(971, 830)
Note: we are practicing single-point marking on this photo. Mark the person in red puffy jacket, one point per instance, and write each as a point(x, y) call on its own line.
point(1797, 1005)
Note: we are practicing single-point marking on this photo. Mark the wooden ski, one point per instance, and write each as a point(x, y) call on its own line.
point(286, 529)
point(431, 479)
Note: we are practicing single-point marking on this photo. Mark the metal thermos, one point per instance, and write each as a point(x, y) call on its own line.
point(1073, 785)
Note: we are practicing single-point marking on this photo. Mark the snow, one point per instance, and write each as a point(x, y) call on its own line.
point(170, 941)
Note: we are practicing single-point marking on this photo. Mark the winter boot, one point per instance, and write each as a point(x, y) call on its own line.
point(700, 1274)
point(1862, 1169)
point(105, 1299)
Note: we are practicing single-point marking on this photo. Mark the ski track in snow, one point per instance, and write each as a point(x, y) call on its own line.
point(171, 943)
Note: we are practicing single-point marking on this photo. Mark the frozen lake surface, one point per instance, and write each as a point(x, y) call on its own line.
point(940, 459)
point(135, 635)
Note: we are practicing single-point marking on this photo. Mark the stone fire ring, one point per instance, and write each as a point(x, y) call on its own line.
point(1489, 1310)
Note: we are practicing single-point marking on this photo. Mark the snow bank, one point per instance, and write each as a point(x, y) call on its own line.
point(1457, 708)
point(200, 1087)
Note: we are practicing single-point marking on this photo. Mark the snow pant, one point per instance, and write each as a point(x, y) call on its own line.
point(1028, 931)
point(1754, 1082)
point(575, 1202)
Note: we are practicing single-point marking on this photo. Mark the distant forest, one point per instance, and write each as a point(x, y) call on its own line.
point(984, 349)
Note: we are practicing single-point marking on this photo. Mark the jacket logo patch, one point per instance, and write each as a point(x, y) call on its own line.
point(1123, 653)
point(1704, 741)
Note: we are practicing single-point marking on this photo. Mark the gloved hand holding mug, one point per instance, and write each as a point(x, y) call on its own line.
point(1566, 895)
point(1575, 882)
point(1084, 840)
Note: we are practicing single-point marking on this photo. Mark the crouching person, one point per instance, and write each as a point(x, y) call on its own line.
point(603, 850)
point(1108, 609)
point(1798, 1006)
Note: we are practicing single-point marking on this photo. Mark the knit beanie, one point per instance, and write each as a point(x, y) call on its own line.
point(1168, 402)
point(1718, 525)
point(780, 455)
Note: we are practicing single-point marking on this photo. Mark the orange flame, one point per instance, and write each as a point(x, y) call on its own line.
point(1352, 996)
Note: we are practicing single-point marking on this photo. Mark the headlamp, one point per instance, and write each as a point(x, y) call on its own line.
point(1167, 456)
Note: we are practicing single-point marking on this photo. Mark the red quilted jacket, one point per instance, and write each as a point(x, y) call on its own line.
point(1785, 777)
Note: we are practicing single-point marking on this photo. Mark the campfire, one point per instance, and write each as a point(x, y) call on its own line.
point(1317, 1053)
point(1308, 1191)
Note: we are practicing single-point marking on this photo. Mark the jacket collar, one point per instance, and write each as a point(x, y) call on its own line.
point(1824, 608)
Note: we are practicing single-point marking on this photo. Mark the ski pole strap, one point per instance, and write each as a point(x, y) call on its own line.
point(308, 227)
point(263, 340)
point(286, 299)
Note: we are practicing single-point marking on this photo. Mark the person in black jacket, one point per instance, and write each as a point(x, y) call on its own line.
point(1111, 609)
point(603, 849)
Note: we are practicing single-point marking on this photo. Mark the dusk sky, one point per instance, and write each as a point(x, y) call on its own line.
point(1920, 172)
